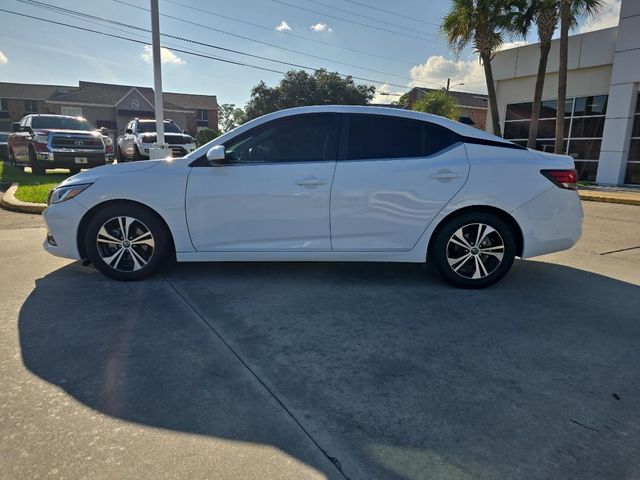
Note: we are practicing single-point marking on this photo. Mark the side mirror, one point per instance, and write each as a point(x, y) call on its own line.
point(104, 131)
point(217, 155)
point(128, 130)
point(15, 127)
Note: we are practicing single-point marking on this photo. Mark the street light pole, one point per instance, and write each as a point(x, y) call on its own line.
point(157, 75)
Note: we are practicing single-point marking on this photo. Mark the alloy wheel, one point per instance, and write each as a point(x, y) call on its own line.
point(125, 244)
point(475, 251)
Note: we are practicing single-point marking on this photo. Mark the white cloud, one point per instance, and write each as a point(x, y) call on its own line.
point(3, 58)
point(166, 56)
point(437, 69)
point(607, 17)
point(321, 27)
point(283, 27)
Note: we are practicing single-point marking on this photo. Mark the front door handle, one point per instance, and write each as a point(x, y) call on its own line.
point(445, 175)
point(311, 182)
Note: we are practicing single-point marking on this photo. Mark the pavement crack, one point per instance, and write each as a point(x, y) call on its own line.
point(336, 463)
point(621, 250)
point(583, 425)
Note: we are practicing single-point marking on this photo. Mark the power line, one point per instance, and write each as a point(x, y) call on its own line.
point(355, 2)
point(351, 12)
point(268, 44)
point(362, 24)
point(290, 34)
point(140, 42)
point(379, 82)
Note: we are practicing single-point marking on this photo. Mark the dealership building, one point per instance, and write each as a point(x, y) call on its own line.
point(602, 120)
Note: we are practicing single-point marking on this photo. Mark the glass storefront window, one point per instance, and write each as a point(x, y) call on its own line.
point(584, 126)
point(633, 164)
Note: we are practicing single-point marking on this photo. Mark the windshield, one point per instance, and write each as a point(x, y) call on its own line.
point(150, 127)
point(62, 123)
point(3, 137)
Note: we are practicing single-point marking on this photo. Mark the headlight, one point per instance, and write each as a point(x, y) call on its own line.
point(41, 138)
point(62, 194)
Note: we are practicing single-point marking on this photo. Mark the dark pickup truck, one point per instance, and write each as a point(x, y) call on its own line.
point(47, 141)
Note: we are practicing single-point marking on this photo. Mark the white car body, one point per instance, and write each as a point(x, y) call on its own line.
point(343, 210)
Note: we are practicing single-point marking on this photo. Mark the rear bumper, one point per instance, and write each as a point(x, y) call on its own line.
point(62, 221)
point(551, 222)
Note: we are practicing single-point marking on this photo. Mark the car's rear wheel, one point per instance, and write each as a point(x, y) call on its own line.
point(127, 241)
point(136, 153)
point(473, 250)
point(36, 169)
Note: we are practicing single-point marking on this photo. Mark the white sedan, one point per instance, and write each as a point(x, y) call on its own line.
point(325, 183)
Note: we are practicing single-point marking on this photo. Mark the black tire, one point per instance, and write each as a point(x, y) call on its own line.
point(136, 154)
point(74, 170)
point(128, 266)
point(12, 159)
point(36, 168)
point(481, 265)
point(120, 156)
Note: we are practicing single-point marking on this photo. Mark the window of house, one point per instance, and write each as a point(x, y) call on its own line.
point(305, 138)
point(633, 164)
point(4, 105)
point(202, 115)
point(31, 106)
point(71, 111)
point(583, 129)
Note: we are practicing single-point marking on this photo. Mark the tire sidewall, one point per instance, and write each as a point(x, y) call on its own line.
point(438, 249)
point(149, 218)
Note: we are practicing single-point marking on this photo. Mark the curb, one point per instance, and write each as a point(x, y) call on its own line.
point(591, 197)
point(10, 202)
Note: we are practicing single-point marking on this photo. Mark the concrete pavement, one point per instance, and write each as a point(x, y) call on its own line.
point(290, 370)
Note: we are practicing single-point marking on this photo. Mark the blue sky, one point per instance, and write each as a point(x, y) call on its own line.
point(35, 52)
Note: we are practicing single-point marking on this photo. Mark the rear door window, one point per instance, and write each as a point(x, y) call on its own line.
point(380, 136)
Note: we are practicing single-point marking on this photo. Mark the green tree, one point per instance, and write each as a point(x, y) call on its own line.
point(570, 12)
point(229, 117)
point(438, 102)
point(299, 88)
point(544, 14)
point(205, 135)
point(482, 23)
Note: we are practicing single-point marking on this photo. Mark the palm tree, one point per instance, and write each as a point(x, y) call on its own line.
point(483, 24)
point(545, 15)
point(570, 12)
point(438, 102)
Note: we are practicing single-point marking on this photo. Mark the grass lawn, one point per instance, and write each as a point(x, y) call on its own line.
point(33, 188)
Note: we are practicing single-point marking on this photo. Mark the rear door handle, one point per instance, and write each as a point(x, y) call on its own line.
point(445, 175)
point(311, 182)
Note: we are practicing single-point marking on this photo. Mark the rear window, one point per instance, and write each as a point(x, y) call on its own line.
point(377, 136)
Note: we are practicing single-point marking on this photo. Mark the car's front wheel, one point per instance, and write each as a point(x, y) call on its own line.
point(473, 250)
point(127, 241)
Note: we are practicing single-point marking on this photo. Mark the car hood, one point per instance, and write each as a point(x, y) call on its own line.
point(95, 174)
point(66, 132)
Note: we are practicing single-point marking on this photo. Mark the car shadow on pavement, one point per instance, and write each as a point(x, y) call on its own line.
point(391, 371)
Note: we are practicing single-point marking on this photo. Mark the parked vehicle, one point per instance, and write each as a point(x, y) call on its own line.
point(44, 141)
point(327, 183)
point(4, 149)
point(140, 135)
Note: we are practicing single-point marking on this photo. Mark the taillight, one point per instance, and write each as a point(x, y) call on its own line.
point(562, 178)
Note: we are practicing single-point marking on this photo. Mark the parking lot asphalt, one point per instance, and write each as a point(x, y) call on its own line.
point(303, 370)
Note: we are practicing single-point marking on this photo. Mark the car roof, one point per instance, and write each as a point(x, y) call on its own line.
point(457, 127)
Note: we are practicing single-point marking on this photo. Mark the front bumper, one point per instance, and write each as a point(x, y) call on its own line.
point(177, 150)
point(62, 221)
point(78, 159)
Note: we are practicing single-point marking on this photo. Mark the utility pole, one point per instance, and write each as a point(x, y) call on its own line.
point(448, 84)
point(157, 81)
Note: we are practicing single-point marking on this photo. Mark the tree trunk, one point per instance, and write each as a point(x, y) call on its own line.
point(491, 88)
point(565, 14)
point(537, 96)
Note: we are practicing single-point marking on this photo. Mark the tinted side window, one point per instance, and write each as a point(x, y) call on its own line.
point(438, 138)
point(304, 138)
point(378, 136)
